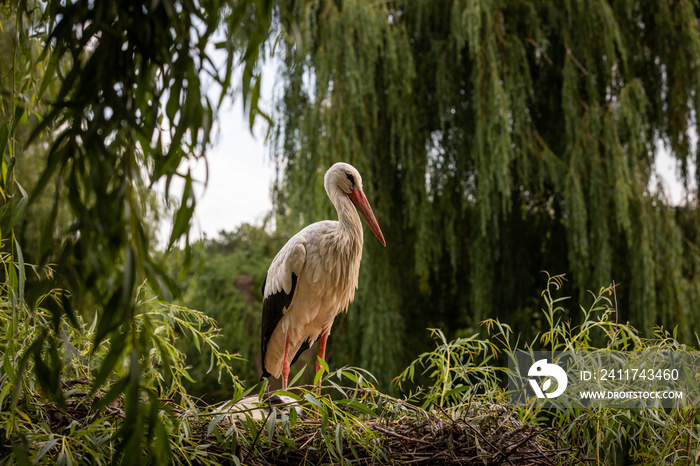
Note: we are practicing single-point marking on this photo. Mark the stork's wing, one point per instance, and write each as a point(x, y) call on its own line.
point(279, 287)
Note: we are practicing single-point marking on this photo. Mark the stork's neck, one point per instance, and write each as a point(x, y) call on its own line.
point(348, 218)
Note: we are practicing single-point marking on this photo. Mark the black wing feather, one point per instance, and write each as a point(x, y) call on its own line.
point(304, 346)
point(273, 311)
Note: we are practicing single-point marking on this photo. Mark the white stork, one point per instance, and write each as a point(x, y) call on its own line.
point(314, 276)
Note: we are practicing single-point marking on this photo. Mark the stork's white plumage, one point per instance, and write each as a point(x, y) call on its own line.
point(314, 276)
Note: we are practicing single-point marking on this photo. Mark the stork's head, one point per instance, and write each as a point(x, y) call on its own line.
point(345, 178)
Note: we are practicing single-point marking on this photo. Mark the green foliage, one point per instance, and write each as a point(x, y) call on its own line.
point(225, 283)
point(496, 139)
point(80, 422)
point(21, 107)
point(459, 415)
point(457, 370)
point(607, 435)
point(643, 435)
point(98, 103)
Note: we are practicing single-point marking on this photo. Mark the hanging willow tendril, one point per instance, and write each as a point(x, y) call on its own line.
point(497, 139)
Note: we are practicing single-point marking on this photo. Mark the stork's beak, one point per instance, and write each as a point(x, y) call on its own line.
point(360, 200)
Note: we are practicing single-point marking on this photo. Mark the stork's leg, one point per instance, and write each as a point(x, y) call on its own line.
point(285, 363)
point(322, 355)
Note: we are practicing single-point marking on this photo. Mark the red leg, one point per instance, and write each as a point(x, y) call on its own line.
point(321, 354)
point(285, 364)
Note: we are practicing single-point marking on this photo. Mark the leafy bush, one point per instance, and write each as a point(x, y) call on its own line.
point(460, 416)
point(225, 284)
point(463, 370)
point(67, 416)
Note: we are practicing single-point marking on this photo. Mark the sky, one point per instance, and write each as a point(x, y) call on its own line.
point(240, 177)
point(240, 172)
point(668, 171)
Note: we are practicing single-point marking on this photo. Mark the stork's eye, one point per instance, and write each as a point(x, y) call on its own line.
point(351, 178)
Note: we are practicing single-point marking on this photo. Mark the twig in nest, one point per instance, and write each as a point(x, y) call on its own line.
point(514, 447)
point(397, 435)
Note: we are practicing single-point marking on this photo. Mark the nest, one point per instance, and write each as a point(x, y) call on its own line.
point(492, 437)
point(402, 434)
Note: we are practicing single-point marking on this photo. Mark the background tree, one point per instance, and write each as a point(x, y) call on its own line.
point(225, 282)
point(496, 139)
